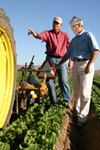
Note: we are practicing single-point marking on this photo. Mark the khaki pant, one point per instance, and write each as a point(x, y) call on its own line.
point(82, 84)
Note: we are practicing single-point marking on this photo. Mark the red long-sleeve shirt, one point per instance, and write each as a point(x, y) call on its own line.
point(56, 43)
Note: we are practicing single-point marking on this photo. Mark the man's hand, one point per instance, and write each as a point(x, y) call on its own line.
point(30, 31)
point(87, 69)
point(55, 67)
point(70, 65)
point(92, 59)
point(34, 33)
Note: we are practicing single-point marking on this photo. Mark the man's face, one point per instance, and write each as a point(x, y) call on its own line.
point(56, 26)
point(75, 27)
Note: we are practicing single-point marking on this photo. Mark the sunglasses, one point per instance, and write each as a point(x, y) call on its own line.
point(74, 25)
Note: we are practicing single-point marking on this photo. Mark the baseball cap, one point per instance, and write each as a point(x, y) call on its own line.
point(58, 19)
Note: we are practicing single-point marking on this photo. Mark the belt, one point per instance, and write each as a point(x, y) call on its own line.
point(55, 56)
point(77, 59)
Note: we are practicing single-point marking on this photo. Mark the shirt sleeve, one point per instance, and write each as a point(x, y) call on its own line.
point(68, 41)
point(92, 42)
point(44, 36)
point(68, 51)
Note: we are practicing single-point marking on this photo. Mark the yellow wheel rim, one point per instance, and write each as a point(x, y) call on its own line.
point(6, 75)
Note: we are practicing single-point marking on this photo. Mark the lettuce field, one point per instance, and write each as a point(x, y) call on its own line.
point(39, 128)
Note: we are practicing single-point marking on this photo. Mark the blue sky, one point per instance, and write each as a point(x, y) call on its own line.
point(39, 14)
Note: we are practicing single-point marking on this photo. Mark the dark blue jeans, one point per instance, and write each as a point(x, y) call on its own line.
point(62, 78)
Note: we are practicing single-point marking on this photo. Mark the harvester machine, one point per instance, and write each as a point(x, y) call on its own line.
point(30, 88)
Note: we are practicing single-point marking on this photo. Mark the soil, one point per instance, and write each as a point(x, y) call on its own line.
point(74, 138)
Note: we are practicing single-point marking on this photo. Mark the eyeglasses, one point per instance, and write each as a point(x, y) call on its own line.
point(74, 25)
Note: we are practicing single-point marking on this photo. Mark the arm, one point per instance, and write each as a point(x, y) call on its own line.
point(92, 59)
point(34, 33)
point(65, 58)
point(70, 64)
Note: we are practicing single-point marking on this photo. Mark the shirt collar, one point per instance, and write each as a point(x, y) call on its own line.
point(80, 33)
point(57, 32)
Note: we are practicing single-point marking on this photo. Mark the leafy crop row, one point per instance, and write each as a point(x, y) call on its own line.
point(97, 78)
point(95, 96)
point(39, 129)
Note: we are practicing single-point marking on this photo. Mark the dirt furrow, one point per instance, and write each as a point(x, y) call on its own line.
point(74, 138)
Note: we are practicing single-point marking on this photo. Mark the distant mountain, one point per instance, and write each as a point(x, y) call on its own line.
point(97, 72)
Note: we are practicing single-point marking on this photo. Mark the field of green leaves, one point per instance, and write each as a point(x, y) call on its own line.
point(96, 95)
point(39, 128)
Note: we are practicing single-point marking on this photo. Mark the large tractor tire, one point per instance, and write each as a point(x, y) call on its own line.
point(7, 69)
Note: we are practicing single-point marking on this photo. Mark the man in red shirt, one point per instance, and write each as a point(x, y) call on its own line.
point(57, 42)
